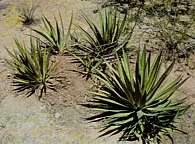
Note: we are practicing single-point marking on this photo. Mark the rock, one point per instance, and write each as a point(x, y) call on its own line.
point(57, 115)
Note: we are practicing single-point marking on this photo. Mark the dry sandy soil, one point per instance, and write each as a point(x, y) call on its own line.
point(58, 118)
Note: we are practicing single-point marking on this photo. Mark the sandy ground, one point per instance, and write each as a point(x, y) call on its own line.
point(58, 117)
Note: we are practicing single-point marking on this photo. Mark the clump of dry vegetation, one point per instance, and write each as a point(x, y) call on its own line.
point(166, 25)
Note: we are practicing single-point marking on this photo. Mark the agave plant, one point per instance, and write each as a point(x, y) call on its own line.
point(88, 65)
point(104, 39)
point(54, 35)
point(140, 106)
point(27, 14)
point(32, 69)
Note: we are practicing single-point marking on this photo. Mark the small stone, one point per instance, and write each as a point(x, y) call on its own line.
point(43, 107)
point(57, 115)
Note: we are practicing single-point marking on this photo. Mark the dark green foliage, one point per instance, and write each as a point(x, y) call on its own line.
point(102, 40)
point(31, 67)
point(139, 106)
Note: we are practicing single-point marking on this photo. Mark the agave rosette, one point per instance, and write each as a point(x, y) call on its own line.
point(31, 67)
point(138, 106)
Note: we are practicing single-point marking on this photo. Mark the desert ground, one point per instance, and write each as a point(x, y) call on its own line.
point(58, 118)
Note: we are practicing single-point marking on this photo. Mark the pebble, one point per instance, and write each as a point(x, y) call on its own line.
point(57, 115)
